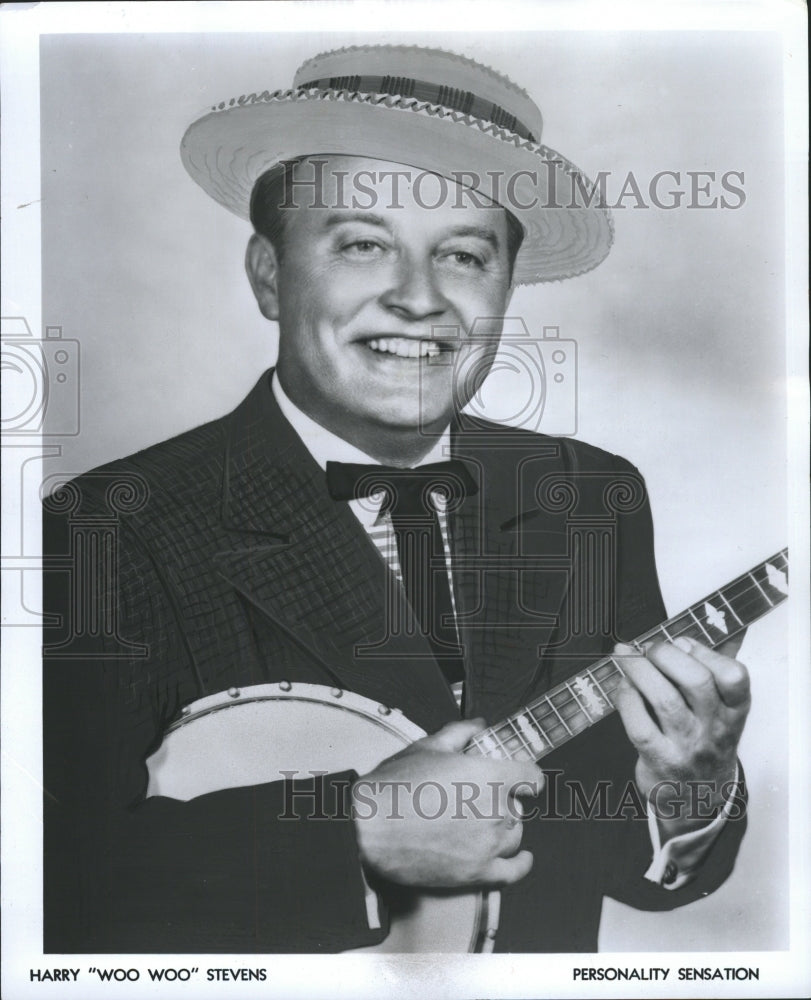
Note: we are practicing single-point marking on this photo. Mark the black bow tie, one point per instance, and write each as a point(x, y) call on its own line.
point(404, 488)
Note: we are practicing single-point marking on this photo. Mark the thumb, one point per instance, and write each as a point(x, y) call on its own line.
point(455, 736)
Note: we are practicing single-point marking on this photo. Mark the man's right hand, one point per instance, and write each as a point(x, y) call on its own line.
point(432, 816)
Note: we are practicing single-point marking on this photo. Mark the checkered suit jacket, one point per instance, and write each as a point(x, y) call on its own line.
point(231, 566)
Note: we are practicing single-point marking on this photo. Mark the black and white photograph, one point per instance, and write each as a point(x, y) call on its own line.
point(404, 444)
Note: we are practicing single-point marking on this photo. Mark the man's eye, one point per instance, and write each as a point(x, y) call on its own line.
point(465, 259)
point(362, 248)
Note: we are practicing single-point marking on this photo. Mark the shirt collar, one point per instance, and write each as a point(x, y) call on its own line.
point(324, 446)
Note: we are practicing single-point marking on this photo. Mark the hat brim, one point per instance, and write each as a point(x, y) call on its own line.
point(567, 230)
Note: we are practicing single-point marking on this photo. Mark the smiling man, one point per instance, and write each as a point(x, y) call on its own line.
point(349, 532)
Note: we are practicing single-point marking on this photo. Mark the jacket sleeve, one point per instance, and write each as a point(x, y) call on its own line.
point(640, 607)
point(126, 873)
point(625, 839)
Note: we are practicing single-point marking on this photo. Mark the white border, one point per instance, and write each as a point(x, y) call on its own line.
point(785, 974)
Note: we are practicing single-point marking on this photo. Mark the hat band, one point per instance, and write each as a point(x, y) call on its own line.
point(435, 93)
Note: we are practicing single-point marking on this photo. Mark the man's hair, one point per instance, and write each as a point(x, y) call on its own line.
point(268, 215)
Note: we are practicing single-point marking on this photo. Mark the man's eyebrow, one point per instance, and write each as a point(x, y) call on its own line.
point(482, 232)
point(333, 219)
point(372, 218)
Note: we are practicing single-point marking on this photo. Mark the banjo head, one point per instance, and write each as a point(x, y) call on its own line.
point(270, 732)
point(276, 732)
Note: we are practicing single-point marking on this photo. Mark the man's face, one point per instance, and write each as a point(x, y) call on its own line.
point(362, 289)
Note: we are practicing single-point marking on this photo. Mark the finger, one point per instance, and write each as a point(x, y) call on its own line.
point(454, 736)
point(503, 787)
point(506, 871)
point(731, 678)
point(511, 840)
point(641, 729)
point(695, 682)
point(529, 783)
point(515, 812)
point(664, 697)
point(732, 646)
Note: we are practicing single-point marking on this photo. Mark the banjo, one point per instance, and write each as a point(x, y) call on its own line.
point(246, 736)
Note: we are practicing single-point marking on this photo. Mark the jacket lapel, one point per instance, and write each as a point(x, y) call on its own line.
point(305, 562)
point(511, 566)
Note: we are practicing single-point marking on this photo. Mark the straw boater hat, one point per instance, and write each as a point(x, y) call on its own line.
point(422, 107)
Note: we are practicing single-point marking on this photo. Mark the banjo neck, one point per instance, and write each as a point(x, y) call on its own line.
point(586, 697)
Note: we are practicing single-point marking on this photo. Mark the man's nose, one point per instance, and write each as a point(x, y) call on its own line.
point(414, 290)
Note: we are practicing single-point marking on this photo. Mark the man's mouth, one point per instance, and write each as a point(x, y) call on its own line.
point(404, 347)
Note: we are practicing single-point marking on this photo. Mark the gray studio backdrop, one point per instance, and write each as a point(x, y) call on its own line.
point(680, 332)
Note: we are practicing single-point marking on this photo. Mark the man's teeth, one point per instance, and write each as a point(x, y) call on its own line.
point(403, 348)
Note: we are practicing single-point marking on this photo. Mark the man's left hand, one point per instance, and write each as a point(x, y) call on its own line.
point(684, 706)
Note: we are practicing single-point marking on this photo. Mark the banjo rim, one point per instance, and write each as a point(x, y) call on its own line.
point(388, 718)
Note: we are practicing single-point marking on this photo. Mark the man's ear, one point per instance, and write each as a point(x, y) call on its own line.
point(262, 265)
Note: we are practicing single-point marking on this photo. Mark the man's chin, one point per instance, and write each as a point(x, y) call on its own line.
point(405, 421)
point(414, 410)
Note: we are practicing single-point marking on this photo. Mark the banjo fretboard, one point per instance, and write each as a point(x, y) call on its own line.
point(586, 697)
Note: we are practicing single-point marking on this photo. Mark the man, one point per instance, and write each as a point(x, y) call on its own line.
point(397, 196)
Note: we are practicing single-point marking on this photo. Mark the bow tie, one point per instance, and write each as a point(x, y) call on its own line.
point(403, 487)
